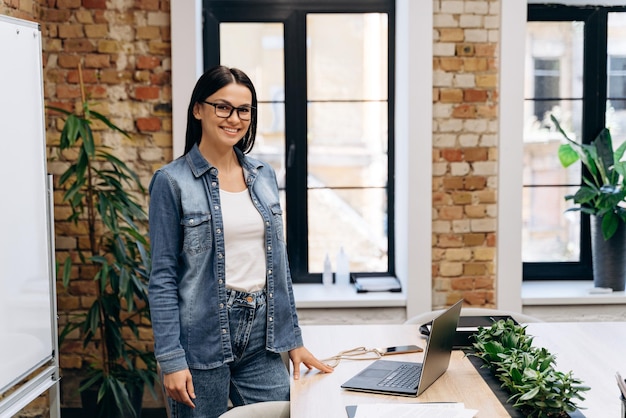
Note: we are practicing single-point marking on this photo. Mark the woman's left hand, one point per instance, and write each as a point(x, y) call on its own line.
point(304, 356)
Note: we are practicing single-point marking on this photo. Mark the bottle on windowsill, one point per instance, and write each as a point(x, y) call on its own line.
point(342, 274)
point(327, 274)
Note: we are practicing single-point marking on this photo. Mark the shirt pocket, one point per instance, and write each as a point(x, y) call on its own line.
point(277, 221)
point(196, 232)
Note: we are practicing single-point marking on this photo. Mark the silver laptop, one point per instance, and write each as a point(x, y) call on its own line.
point(410, 378)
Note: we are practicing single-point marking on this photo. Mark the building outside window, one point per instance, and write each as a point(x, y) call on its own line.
point(324, 79)
point(575, 68)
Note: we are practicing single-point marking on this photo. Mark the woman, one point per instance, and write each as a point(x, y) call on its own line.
point(220, 289)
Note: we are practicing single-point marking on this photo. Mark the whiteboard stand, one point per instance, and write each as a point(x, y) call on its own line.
point(28, 324)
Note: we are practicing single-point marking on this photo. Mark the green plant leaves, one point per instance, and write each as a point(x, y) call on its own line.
point(102, 192)
point(603, 191)
point(527, 373)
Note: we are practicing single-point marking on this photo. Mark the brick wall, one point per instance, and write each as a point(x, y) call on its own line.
point(464, 151)
point(124, 49)
point(21, 9)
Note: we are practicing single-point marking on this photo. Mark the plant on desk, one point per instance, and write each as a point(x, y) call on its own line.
point(526, 372)
point(101, 191)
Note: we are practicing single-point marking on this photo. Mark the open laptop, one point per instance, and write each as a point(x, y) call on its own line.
point(410, 378)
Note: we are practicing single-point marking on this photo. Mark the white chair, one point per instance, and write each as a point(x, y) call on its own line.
point(429, 316)
point(272, 409)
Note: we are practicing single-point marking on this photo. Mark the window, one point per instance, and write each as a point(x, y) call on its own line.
point(576, 62)
point(324, 78)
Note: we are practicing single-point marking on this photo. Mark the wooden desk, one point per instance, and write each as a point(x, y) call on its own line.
point(594, 351)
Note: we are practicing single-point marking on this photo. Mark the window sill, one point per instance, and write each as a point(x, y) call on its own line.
point(567, 292)
point(343, 296)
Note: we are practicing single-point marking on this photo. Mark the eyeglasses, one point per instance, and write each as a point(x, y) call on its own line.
point(223, 110)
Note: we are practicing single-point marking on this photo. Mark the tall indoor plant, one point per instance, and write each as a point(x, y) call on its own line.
point(102, 191)
point(602, 196)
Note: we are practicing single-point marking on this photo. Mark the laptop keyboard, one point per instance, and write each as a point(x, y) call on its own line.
point(405, 376)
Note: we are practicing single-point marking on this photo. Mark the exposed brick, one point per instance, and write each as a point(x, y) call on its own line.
point(473, 64)
point(475, 154)
point(453, 183)
point(485, 50)
point(450, 95)
point(464, 111)
point(452, 154)
point(65, 91)
point(451, 35)
point(146, 62)
point(95, 4)
point(146, 93)
point(462, 198)
point(475, 182)
point(147, 32)
point(68, 61)
point(462, 283)
point(451, 212)
point(79, 45)
point(148, 124)
point(449, 241)
point(97, 61)
point(68, 4)
point(474, 95)
point(147, 4)
point(465, 50)
point(473, 240)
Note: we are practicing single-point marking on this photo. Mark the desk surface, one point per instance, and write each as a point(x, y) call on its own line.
point(593, 351)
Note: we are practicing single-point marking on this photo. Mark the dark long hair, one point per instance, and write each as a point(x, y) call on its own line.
point(210, 82)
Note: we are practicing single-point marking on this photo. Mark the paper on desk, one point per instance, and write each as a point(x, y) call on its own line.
point(414, 410)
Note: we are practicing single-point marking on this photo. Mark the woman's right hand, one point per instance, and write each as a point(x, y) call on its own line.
point(178, 386)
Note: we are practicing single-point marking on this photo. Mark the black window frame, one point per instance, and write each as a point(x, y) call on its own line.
point(292, 13)
point(594, 101)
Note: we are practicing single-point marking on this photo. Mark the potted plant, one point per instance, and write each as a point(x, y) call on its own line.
point(527, 373)
point(601, 195)
point(102, 192)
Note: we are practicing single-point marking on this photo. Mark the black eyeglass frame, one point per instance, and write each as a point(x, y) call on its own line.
point(232, 109)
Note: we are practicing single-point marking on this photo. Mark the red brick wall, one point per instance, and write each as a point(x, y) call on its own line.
point(124, 49)
point(465, 98)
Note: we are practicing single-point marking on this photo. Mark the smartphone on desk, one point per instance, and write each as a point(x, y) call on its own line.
point(401, 349)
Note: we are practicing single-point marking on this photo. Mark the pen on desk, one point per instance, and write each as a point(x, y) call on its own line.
point(621, 384)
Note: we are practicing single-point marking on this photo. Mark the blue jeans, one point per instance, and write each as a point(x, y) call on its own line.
point(256, 375)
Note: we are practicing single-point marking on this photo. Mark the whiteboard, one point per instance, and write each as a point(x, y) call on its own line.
point(27, 307)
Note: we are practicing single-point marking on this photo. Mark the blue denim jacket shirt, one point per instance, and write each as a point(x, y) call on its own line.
point(187, 283)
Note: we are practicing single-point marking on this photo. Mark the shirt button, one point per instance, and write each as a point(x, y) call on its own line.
point(267, 223)
point(220, 256)
point(269, 271)
point(190, 221)
point(221, 305)
point(271, 295)
point(271, 318)
point(223, 331)
point(220, 281)
point(216, 207)
point(219, 231)
point(213, 184)
point(269, 248)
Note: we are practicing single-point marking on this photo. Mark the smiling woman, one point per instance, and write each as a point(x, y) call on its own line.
point(220, 290)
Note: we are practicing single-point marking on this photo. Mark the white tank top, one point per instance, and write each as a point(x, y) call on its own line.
point(244, 235)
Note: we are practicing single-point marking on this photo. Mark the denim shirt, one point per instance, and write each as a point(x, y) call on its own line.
point(187, 289)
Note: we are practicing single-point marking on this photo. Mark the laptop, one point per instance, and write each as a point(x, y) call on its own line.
point(410, 378)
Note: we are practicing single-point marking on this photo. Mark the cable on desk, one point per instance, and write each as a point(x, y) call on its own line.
point(358, 353)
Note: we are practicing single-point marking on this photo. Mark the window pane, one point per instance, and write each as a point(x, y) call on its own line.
point(556, 70)
point(549, 233)
point(347, 56)
point(553, 86)
point(616, 82)
point(347, 144)
point(355, 219)
point(257, 49)
point(541, 144)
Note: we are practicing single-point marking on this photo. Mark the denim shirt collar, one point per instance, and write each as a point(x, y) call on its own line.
point(199, 165)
